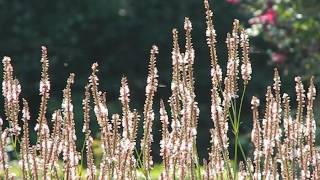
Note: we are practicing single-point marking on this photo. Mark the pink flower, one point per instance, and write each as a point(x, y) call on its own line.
point(278, 57)
point(233, 1)
point(268, 17)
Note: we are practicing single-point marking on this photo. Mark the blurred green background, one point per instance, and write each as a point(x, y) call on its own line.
point(119, 33)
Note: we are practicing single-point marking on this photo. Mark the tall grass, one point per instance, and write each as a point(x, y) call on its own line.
point(284, 143)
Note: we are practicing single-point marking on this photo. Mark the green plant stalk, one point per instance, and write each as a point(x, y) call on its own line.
point(241, 103)
point(138, 158)
point(237, 142)
point(244, 156)
point(196, 157)
point(14, 140)
point(235, 128)
point(81, 162)
point(223, 153)
point(145, 171)
point(236, 125)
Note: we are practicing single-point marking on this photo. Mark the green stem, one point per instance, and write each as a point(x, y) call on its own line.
point(236, 126)
point(235, 156)
point(82, 152)
point(244, 156)
point(14, 144)
point(138, 158)
point(195, 154)
point(241, 102)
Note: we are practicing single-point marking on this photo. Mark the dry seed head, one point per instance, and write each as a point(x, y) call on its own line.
point(176, 59)
point(25, 139)
point(216, 72)
point(276, 86)
point(94, 67)
point(44, 88)
point(246, 69)
point(164, 118)
point(7, 63)
point(176, 56)
point(86, 109)
point(312, 89)
point(25, 110)
point(67, 105)
point(44, 82)
point(71, 78)
point(100, 108)
point(188, 58)
point(124, 91)
point(91, 171)
point(154, 49)
point(7, 78)
point(287, 120)
point(11, 90)
point(310, 121)
point(93, 79)
point(255, 102)
point(233, 63)
point(45, 62)
point(187, 24)
point(151, 88)
point(125, 100)
point(70, 154)
point(236, 25)
point(210, 31)
point(300, 98)
point(256, 135)
point(152, 81)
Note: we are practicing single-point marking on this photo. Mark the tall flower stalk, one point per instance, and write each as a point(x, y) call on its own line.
point(148, 114)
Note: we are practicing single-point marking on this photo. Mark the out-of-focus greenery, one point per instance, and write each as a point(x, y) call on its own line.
point(294, 35)
point(290, 37)
point(118, 35)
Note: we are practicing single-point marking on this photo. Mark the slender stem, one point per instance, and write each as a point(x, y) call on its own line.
point(82, 156)
point(236, 140)
point(244, 156)
point(235, 129)
point(236, 126)
point(14, 144)
point(196, 157)
point(140, 164)
point(223, 153)
point(238, 123)
point(241, 102)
